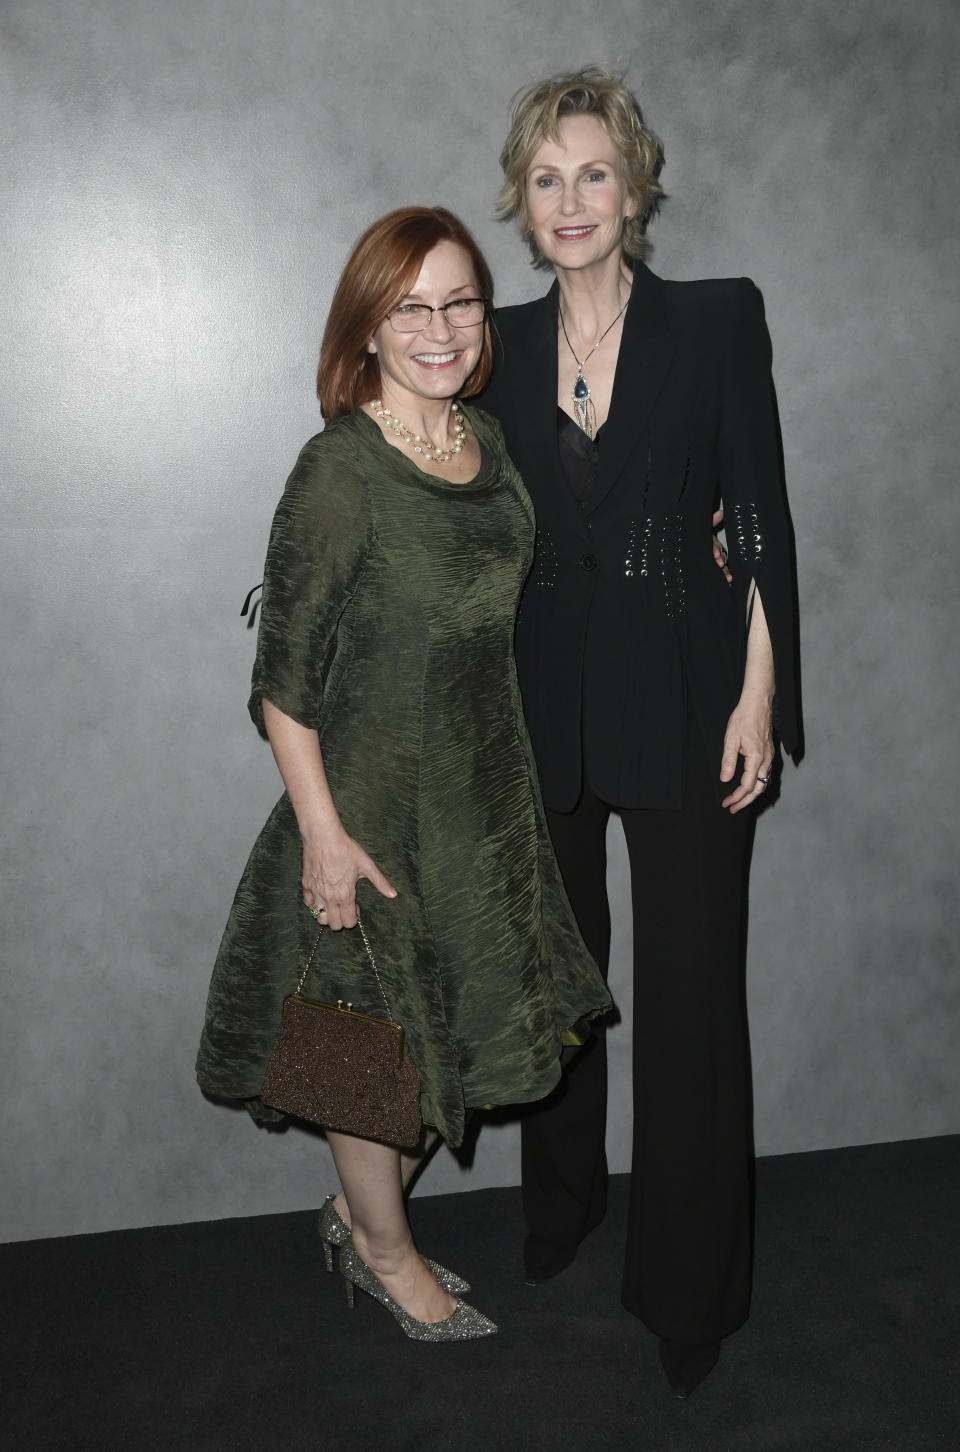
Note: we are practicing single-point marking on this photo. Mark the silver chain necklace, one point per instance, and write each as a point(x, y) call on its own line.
point(582, 410)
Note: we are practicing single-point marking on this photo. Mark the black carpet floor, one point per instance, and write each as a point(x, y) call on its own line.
point(230, 1335)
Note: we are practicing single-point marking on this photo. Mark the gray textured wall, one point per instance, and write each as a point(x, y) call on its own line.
point(180, 184)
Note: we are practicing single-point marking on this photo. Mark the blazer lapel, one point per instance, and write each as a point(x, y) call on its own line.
point(537, 386)
point(535, 407)
point(540, 382)
point(645, 358)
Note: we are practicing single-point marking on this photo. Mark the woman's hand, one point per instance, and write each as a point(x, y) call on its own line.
point(750, 729)
point(719, 553)
point(332, 863)
point(749, 734)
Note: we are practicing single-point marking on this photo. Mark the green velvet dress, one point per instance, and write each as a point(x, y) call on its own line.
point(387, 624)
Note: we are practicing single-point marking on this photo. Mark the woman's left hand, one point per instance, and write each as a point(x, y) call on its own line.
point(749, 734)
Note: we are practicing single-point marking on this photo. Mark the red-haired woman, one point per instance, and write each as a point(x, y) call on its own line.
point(385, 681)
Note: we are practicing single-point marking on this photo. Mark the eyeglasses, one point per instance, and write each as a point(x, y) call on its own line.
point(463, 312)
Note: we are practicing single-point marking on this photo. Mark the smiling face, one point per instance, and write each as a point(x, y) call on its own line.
point(435, 363)
point(577, 195)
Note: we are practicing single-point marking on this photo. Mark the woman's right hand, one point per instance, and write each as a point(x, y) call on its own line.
point(332, 864)
point(332, 861)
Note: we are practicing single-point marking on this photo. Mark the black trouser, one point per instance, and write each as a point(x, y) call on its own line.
point(687, 1269)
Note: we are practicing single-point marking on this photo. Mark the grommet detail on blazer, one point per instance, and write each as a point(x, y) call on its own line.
point(631, 549)
point(637, 554)
point(645, 549)
point(746, 525)
point(671, 570)
point(546, 563)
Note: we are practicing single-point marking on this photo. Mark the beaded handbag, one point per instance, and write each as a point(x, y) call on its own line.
point(344, 1070)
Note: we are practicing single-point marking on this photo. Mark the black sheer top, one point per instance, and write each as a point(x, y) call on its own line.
point(580, 457)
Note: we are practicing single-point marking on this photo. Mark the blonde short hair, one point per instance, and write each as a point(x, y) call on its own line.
point(537, 113)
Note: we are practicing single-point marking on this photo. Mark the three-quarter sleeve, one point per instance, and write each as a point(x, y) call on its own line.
point(756, 520)
point(320, 539)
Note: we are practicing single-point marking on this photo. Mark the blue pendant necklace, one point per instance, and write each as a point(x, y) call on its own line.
point(582, 408)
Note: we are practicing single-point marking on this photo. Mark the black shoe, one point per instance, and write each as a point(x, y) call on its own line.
point(687, 1366)
point(542, 1260)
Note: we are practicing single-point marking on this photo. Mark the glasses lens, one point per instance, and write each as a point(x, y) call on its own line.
point(465, 312)
point(410, 317)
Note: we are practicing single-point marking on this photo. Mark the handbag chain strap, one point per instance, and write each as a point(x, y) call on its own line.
point(373, 963)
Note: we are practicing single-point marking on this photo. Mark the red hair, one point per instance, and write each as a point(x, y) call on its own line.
point(380, 270)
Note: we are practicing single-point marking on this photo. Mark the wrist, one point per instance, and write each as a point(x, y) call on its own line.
point(758, 693)
point(319, 829)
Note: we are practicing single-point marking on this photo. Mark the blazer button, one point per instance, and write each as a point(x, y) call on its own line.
point(588, 562)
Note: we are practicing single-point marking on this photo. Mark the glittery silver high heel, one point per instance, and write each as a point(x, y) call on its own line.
point(464, 1324)
point(335, 1232)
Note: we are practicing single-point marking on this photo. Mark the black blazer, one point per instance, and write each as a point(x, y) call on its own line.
point(625, 620)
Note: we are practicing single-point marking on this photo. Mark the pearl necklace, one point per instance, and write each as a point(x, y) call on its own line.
point(417, 442)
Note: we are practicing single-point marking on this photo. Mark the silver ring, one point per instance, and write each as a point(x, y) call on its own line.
point(764, 779)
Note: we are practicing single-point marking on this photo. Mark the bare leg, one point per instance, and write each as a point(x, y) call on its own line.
point(410, 1160)
point(372, 1181)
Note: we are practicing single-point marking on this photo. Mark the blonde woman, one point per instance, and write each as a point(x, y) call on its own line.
point(633, 407)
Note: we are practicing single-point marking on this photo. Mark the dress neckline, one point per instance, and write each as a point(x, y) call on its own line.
point(486, 475)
